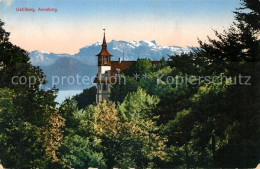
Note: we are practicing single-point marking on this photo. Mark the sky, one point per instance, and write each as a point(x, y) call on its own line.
point(78, 23)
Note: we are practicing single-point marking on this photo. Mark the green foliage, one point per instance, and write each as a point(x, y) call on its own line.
point(78, 152)
point(14, 61)
point(69, 110)
point(197, 63)
point(141, 66)
point(127, 141)
point(209, 124)
point(137, 112)
point(138, 105)
point(219, 134)
point(120, 90)
point(30, 124)
point(252, 17)
point(87, 97)
point(151, 123)
point(237, 49)
point(20, 141)
point(163, 63)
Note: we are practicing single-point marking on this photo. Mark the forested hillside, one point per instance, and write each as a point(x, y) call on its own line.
point(194, 110)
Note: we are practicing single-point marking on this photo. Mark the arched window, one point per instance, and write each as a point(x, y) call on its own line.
point(106, 73)
point(99, 60)
point(99, 87)
point(115, 73)
point(104, 86)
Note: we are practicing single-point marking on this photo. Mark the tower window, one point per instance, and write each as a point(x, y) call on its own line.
point(104, 86)
point(115, 73)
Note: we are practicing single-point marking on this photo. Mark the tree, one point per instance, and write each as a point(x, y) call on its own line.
point(253, 16)
point(214, 125)
point(141, 66)
point(78, 149)
point(53, 134)
point(68, 109)
point(79, 152)
point(21, 142)
point(87, 97)
point(14, 61)
point(129, 137)
point(120, 90)
point(31, 126)
point(137, 112)
point(238, 50)
point(138, 105)
point(223, 118)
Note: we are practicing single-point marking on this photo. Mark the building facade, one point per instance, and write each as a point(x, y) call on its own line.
point(108, 72)
point(103, 73)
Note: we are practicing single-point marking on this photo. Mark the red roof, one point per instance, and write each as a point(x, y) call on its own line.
point(104, 52)
point(123, 65)
point(120, 65)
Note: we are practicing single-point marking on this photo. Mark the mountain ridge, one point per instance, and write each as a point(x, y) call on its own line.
point(130, 49)
point(84, 62)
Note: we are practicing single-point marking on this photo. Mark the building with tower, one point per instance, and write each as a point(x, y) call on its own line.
point(103, 73)
point(108, 71)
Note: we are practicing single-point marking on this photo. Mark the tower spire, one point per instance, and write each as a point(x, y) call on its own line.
point(104, 55)
point(104, 72)
point(104, 44)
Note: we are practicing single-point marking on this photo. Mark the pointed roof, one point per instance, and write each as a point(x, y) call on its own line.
point(104, 51)
point(104, 44)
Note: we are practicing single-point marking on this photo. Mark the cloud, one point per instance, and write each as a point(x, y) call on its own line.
point(7, 2)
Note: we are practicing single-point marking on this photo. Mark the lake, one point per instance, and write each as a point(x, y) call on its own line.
point(63, 94)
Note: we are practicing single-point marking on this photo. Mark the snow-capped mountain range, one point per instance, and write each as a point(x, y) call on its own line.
point(126, 50)
point(84, 62)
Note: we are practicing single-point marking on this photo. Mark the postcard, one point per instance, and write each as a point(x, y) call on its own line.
point(129, 84)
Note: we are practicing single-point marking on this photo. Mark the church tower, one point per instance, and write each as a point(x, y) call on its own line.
point(103, 74)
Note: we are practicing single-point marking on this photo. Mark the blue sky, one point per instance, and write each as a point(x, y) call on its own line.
point(78, 23)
